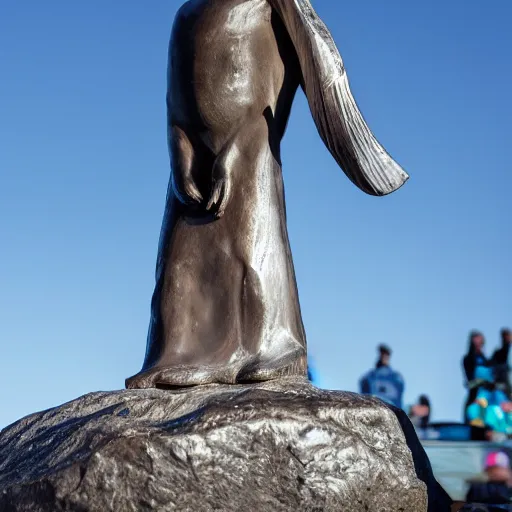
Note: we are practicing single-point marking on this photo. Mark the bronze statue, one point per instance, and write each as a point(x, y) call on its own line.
point(225, 307)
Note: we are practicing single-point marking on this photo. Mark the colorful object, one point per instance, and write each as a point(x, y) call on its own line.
point(313, 375)
point(486, 411)
point(497, 459)
point(484, 373)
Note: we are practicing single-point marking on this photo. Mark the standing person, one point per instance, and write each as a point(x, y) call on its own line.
point(498, 488)
point(500, 363)
point(476, 367)
point(383, 382)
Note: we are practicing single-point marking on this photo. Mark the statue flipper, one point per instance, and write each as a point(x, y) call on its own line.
point(182, 162)
point(336, 114)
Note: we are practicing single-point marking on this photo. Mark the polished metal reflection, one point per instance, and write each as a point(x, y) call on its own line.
point(225, 306)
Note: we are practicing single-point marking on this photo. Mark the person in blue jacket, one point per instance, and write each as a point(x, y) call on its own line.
point(383, 382)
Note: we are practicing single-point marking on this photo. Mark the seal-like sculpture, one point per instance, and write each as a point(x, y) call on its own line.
point(225, 308)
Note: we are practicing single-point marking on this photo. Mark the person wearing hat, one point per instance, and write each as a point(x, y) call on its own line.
point(497, 490)
point(382, 381)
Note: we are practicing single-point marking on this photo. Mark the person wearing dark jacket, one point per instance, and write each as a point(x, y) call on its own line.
point(419, 414)
point(475, 363)
point(500, 362)
point(497, 490)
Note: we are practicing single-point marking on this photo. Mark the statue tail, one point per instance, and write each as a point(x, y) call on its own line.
point(334, 109)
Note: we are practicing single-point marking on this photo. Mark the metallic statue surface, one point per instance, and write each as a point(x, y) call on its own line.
point(225, 308)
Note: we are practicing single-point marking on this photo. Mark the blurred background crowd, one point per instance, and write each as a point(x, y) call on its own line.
point(478, 470)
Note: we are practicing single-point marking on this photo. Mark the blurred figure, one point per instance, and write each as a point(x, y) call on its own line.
point(383, 382)
point(492, 409)
point(419, 414)
point(500, 362)
point(476, 368)
point(497, 490)
point(488, 402)
point(312, 374)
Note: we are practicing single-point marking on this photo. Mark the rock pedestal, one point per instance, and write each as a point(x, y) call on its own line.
point(276, 446)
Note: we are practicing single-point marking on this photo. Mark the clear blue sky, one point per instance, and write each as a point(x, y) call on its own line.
point(84, 170)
